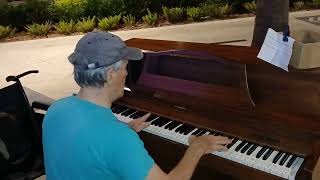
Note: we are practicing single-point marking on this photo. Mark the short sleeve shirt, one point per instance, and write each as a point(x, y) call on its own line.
point(85, 141)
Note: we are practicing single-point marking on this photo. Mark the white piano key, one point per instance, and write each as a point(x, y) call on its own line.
point(295, 167)
point(231, 151)
point(269, 163)
point(275, 167)
point(285, 173)
point(231, 154)
point(252, 158)
point(259, 164)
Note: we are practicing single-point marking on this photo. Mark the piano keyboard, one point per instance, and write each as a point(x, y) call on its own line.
point(269, 160)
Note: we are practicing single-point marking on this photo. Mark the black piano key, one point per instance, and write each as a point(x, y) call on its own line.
point(179, 128)
point(196, 132)
point(268, 153)
point(155, 122)
point(261, 152)
point(164, 122)
point(159, 122)
point(134, 116)
point(184, 129)
point(246, 147)
point(240, 146)
point(212, 133)
point(232, 143)
point(137, 114)
point(120, 109)
point(178, 124)
point(113, 106)
point(150, 118)
point(173, 125)
point(250, 151)
point(277, 157)
point(189, 129)
point(128, 112)
point(291, 161)
point(202, 132)
point(170, 124)
point(284, 159)
point(217, 134)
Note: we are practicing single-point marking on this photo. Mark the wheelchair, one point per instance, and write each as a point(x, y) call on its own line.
point(21, 153)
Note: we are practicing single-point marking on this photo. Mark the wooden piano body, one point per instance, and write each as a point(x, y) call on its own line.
point(226, 89)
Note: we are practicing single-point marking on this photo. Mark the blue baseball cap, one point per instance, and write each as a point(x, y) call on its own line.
point(101, 49)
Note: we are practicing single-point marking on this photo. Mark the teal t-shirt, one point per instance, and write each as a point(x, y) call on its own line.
point(84, 141)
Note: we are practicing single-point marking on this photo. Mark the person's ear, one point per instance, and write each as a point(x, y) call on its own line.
point(111, 74)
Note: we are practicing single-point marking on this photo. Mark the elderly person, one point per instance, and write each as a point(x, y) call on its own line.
point(83, 140)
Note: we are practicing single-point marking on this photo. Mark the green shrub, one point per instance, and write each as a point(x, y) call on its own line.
point(108, 8)
point(138, 8)
point(18, 16)
point(215, 10)
point(129, 20)
point(64, 27)
point(174, 14)
point(13, 16)
point(195, 13)
point(223, 10)
point(86, 24)
point(37, 11)
point(39, 29)
point(299, 5)
point(316, 3)
point(68, 9)
point(150, 19)
point(180, 3)
point(209, 9)
point(109, 23)
point(250, 6)
point(6, 31)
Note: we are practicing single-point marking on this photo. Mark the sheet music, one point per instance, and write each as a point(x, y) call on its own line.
point(275, 51)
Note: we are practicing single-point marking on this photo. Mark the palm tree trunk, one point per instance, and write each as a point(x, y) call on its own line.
point(269, 14)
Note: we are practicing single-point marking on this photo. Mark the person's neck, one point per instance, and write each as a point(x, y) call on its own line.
point(99, 96)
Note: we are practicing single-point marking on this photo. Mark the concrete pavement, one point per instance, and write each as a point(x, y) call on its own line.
point(49, 56)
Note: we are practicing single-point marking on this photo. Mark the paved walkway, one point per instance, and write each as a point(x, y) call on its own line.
point(49, 56)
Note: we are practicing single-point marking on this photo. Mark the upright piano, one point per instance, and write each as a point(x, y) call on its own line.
point(273, 116)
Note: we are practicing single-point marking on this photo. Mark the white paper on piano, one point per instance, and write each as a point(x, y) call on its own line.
point(275, 51)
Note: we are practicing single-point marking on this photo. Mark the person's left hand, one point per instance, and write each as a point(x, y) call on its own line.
point(139, 123)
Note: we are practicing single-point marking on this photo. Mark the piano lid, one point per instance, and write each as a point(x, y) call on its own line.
point(178, 77)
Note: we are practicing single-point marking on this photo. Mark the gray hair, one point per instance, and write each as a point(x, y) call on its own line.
point(93, 77)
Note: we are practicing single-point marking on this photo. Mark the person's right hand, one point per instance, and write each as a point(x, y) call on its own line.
point(208, 143)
